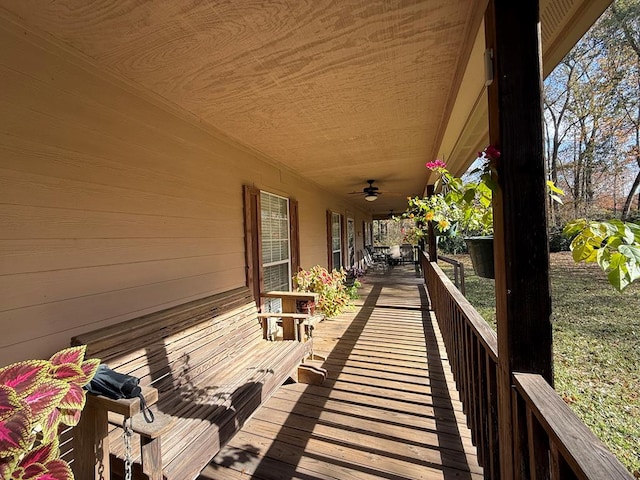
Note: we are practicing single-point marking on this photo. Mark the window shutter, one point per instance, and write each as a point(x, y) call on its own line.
point(252, 235)
point(294, 228)
point(329, 241)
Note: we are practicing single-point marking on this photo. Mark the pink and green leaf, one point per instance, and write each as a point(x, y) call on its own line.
point(40, 455)
point(89, 367)
point(45, 398)
point(74, 399)
point(74, 355)
point(70, 417)
point(57, 470)
point(24, 377)
point(35, 471)
point(9, 402)
point(8, 466)
point(69, 372)
point(16, 433)
point(50, 426)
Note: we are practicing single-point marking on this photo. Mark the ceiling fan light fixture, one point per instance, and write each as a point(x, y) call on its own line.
point(370, 197)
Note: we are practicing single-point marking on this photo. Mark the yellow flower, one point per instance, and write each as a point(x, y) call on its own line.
point(429, 216)
point(443, 224)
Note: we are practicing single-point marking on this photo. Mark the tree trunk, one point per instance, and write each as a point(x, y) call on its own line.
point(629, 200)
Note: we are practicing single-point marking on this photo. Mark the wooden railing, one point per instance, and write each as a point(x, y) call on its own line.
point(458, 272)
point(550, 441)
point(472, 348)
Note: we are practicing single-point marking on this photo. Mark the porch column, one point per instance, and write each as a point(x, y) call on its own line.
point(523, 302)
point(431, 234)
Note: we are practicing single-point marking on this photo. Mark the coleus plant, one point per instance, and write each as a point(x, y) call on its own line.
point(37, 398)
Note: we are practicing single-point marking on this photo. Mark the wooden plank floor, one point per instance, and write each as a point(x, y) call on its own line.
point(388, 409)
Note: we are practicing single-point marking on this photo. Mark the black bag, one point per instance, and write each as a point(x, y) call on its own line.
point(117, 385)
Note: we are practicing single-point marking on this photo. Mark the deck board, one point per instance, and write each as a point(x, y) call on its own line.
point(388, 409)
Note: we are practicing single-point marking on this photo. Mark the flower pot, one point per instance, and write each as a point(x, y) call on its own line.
point(306, 306)
point(481, 252)
point(349, 280)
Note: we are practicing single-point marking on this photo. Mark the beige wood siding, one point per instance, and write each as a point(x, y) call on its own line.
point(112, 204)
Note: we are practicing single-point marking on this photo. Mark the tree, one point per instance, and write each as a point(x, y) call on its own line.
point(556, 102)
point(620, 30)
point(592, 115)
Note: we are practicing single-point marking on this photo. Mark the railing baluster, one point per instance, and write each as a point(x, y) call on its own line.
point(493, 463)
point(521, 450)
point(538, 448)
point(560, 469)
point(554, 444)
point(481, 406)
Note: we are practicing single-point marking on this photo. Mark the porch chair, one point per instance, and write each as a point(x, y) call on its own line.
point(373, 263)
point(395, 255)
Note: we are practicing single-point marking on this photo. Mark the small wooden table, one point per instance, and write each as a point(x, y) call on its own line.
point(293, 323)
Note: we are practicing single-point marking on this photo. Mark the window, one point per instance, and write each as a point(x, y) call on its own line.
point(351, 242)
point(271, 240)
point(366, 226)
point(334, 239)
point(276, 264)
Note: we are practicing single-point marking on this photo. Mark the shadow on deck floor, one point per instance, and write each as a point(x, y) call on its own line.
point(388, 409)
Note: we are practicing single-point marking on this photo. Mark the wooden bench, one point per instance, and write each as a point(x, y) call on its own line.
point(206, 368)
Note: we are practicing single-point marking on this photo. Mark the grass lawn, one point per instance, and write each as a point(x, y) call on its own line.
point(596, 348)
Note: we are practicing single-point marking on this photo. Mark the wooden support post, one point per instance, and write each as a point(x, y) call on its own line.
point(523, 303)
point(91, 444)
point(431, 234)
point(151, 457)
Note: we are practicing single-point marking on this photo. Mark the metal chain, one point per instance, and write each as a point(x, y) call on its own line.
point(126, 435)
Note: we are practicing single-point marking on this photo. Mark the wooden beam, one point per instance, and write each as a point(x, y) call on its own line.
point(523, 303)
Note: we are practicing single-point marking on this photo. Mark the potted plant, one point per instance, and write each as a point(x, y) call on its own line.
point(330, 286)
point(352, 281)
point(37, 398)
point(465, 208)
point(462, 208)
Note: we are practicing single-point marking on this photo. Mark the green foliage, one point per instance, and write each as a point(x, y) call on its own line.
point(37, 397)
point(452, 245)
point(460, 206)
point(558, 242)
point(334, 297)
point(352, 290)
point(613, 244)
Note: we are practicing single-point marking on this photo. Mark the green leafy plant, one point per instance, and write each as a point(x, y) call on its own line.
point(613, 244)
point(37, 398)
point(459, 206)
point(333, 295)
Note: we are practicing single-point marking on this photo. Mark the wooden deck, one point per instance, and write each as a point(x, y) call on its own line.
point(388, 410)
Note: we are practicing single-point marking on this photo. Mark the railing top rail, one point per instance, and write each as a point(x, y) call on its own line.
point(448, 260)
point(587, 456)
point(483, 331)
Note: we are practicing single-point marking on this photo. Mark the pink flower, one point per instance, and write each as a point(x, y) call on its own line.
point(435, 164)
point(491, 152)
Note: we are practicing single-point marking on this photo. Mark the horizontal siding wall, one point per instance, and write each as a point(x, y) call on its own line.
point(111, 205)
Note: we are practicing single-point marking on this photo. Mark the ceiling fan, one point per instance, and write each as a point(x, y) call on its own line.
point(370, 193)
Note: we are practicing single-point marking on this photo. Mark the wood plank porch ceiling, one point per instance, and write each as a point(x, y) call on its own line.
point(339, 92)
